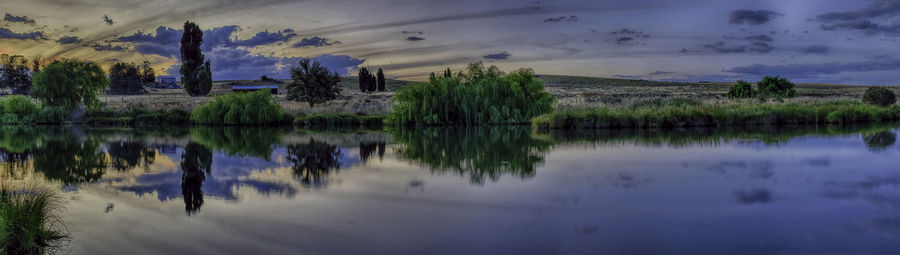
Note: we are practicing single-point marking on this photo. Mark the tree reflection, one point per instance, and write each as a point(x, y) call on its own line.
point(367, 149)
point(480, 153)
point(128, 155)
point(70, 161)
point(880, 141)
point(313, 161)
point(239, 141)
point(196, 163)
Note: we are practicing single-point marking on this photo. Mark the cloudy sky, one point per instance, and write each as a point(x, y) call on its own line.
point(833, 41)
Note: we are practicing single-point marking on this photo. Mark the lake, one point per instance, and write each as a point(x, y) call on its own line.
point(502, 190)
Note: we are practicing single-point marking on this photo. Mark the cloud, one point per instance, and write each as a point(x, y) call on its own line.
point(106, 47)
point(5, 33)
point(240, 63)
point(108, 20)
point(415, 38)
point(751, 17)
point(572, 18)
point(266, 38)
point(762, 38)
point(862, 19)
point(19, 19)
point(412, 32)
point(68, 40)
point(755, 47)
point(815, 69)
point(497, 56)
point(753, 196)
point(628, 36)
point(815, 49)
point(314, 41)
point(166, 42)
point(624, 40)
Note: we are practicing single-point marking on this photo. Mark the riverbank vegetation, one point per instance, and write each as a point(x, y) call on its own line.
point(339, 120)
point(29, 219)
point(254, 108)
point(476, 96)
point(713, 115)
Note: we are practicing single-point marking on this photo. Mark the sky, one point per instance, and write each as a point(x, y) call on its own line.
point(823, 41)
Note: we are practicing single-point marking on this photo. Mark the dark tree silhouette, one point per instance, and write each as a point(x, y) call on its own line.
point(380, 79)
point(880, 141)
point(313, 83)
point(14, 74)
point(367, 81)
point(196, 163)
point(125, 79)
point(192, 60)
point(128, 155)
point(71, 161)
point(313, 161)
point(447, 73)
point(148, 75)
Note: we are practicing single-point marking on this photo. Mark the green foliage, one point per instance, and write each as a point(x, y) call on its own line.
point(136, 117)
point(255, 108)
point(14, 74)
point(776, 86)
point(339, 120)
point(18, 105)
point(50, 115)
point(69, 83)
point(367, 81)
point(312, 83)
point(879, 96)
point(741, 89)
point(239, 141)
point(70, 161)
point(193, 71)
point(125, 79)
point(30, 219)
point(477, 96)
point(10, 118)
point(839, 112)
point(479, 153)
point(380, 79)
point(660, 103)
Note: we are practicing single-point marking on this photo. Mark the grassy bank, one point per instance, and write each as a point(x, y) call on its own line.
point(29, 220)
point(702, 115)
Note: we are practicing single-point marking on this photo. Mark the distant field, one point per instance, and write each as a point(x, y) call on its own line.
point(572, 91)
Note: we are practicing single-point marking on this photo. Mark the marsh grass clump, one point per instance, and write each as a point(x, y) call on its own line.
point(30, 220)
point(255, 108)
point(879, 96)
point(661, 103)
point(837, 112)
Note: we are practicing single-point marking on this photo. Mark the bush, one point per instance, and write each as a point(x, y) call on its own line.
point(50, 115)
point(879, 96)
point(10, 118)
point(255, 108)
point(776, 86)
point(69, 83)
point(18, 105)
point(741, 89)
point(478, 96)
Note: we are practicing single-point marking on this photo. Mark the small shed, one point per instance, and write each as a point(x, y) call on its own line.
point(166, 82)
point(274, 88)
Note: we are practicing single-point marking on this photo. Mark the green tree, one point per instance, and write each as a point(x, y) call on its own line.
point(148, 75)
point(741, 89)
point(380, 79)
point(14, 74)
point(776, 86)
point(125, 79)
point(69, 83)
point(879, 96)
point(313, 83)
point(205, 76)
point(192, 60)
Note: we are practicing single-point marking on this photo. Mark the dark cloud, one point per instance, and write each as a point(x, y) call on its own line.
point(660, 73)
point(864, 20)
point(723, 48)
point(5, 33)
point(815, 49)
point(572, 18)
point(106, 47)
point(815, 69)
point(18, 19)
point(762, 38)
point(314, 41)
point(751, 17)
point(415, 38)
point(760, 47)
point(166, 41)
point(412, 32)
point(108, 20)
point(628, 36)
point(753, 196)
point(624, 40)
point(240, 63)
point(68, 40)
point(266, 38)
point(497, 56)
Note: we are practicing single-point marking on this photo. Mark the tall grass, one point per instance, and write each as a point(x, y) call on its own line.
point(836, 112)
point(255, 108)
point(477, 96)
point(339, 120)
point(29, 219)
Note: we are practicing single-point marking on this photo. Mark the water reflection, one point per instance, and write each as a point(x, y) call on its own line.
point(479, 153)
point(196, 163)
point(367, 149)
point(239, 141)
point(880, 141)
point(313, 161)
point(127, 155)
point(70, 160)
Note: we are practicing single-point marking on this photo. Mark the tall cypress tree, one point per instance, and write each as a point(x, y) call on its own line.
point(366, 80)
point(447, 73)
point(380, 79)
point(192, 59)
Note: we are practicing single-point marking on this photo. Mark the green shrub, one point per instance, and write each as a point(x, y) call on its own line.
point(256, 108)
point(776, 86)
point(741, 89)
point(51, 115)
point(477, 96)
point(18, 105)
point(879, 96)
point(29, 220)
point(10, 118)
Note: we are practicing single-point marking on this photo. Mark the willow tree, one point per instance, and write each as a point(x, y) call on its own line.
point(192, 61)
point(69, 83)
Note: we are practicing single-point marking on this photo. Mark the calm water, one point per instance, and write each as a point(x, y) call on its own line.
point(468, 191)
